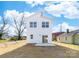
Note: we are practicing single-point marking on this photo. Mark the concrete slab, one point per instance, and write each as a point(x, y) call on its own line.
point(45, 44)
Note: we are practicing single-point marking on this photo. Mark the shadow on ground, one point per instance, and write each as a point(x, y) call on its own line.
point(31, 51)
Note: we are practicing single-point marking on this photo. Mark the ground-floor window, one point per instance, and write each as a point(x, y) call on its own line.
point(31, 36)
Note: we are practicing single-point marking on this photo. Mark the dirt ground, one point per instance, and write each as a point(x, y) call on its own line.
point(31, 51)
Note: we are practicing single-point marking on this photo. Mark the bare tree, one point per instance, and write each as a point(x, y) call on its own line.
point(19, 26)
point(3, 27)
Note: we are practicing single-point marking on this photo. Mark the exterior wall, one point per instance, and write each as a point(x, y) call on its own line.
point(38, 31)
point(60, 39)
point(69, 39)
point(65, 39)
point(76, 39)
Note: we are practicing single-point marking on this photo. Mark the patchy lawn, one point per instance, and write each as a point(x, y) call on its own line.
point(3, 41)
point(31, 51)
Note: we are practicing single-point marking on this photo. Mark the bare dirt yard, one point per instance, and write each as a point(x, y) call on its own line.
point(31, 51)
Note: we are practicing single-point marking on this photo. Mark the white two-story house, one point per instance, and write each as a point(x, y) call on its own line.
point(39, 29)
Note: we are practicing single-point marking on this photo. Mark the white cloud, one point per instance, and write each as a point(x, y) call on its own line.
point(34, 3)
point(11, 31)
point(9, 13)
point(70, 9)
point(64, 26)
point(27, 14)
point(14, 13)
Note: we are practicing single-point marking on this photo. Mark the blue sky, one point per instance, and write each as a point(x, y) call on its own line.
point(68, 17)
point(20, 6)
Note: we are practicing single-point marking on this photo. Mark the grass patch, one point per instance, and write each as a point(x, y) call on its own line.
point(3, 41)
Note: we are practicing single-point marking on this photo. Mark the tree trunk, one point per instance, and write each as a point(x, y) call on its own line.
point(1, 35)
point(19, 37)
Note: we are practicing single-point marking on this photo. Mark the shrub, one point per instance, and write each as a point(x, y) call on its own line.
point(13, 39)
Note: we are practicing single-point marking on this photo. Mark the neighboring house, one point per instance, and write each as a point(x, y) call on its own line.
point(54, 35)
point(69, 37)
point(39, 29)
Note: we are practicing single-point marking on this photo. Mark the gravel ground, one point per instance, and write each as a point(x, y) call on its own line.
point(31, 51)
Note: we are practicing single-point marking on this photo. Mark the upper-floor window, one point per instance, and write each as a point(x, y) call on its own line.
point(45, 24)
point(33, 24)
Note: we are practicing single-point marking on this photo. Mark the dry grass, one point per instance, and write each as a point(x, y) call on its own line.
point(10, 46)
point(71, 46)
